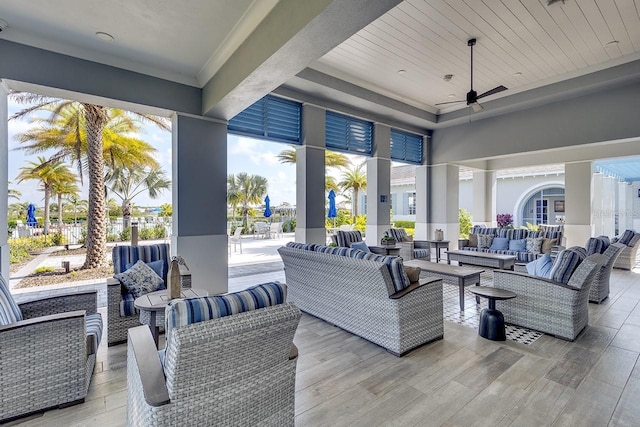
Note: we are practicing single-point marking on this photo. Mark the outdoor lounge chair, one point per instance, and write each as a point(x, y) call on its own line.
point(122, 314)
point(236, 239)
point(47, 351)
point(219, 367)
point(600, 286)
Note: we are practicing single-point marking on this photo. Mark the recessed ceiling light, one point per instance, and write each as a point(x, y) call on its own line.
point(612, 43)
point(401, 72)
point(452, 95)
point(104, 36)
point(517, 74)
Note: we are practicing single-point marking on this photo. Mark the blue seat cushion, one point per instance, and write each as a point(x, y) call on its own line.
point(518, 245)
point(127, 307)
point(93, 328)
point(499, 244)
point(421, 253)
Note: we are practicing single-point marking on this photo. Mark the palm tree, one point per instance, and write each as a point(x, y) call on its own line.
point(129, 183)
point(63, 188)
point(233, 194)
point(331, 160)
point(12, 193)
point(48, 173)
point(75, 201)
point(87, 134)
point(354, 179)
point(251, 190)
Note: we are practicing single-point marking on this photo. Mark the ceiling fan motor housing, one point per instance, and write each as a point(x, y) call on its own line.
point(472, 96)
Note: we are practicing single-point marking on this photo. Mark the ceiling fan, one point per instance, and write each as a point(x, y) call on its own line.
point(472, 95)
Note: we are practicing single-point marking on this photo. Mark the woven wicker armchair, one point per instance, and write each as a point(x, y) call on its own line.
point(545, 305)
point(627, 259)
point(235, 370)
point(47, 358)
point(118, 324)
point(600, 286)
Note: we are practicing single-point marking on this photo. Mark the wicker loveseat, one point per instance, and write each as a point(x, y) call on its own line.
point(552, 233)
point(545, 305)
point(47, 351)
point(229, 361)
point(359, 295)
point(120, 310)
point(627, 259)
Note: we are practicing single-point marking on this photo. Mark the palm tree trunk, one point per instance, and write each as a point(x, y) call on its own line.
point(59, 212)
point(96, 241)
point(355, 205)
point(46, 209)
point(126, 213)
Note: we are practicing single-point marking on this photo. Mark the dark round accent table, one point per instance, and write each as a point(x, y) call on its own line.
point(491, 320)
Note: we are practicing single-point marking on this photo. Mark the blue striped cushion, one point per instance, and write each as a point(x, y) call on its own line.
point(595, 245)
point(9, 310)
point(421, 253)
point(606, 241)
point(513, 233)
point(182, 312)
point(303, 246)
point(525, 256)
point(582, 252)
point(476, 229)
point(626, 237)
point(93, 328)
point(564, 265)
point(346, 238)
point(398, 233)
point(123, 255)
point(127, 306)
point(399, 278)
point(634, 239)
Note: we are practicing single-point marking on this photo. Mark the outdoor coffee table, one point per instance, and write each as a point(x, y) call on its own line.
point(385, 249)
point(465, 276)
point(153, 302)
point(491, 320)
point(503, 262)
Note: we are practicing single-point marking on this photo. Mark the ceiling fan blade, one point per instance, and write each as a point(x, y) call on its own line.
point(451, 102)
point(492, 91)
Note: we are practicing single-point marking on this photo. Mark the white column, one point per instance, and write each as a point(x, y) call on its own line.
point(484, 198)
point(578, 199)
point(379, 185)
point(422, 203)
point(597, 205)
point(310, 175)
point(199, 165)
point(4, 179)
point(609, 186)
point(631, 213)
point(443, 206)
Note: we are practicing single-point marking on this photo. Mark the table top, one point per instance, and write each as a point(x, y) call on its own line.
point(396, 246)
point(158, 300)
point(452, 270)
point(437, 241)
point(482, 254)
point(493, 293)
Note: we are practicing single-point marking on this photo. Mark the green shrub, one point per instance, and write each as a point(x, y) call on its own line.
point(125, 234)
point(404, 224)
point(57, 239)
point(17, 254)
point(44, 269)
point(110, 238)
point(159, 232)
point(83, 236)
point(289, 226)
point(145, 234)
point(465, 223)
point(361, 223)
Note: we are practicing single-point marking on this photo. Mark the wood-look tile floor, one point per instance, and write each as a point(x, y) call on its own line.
point(463, 380)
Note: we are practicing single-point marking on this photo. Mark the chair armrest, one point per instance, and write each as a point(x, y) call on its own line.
point(86, 301)
point(294, 352)
point(499, 276)
point(421, 244)
point(29, 323)
point(413, 286)
point(148, 366)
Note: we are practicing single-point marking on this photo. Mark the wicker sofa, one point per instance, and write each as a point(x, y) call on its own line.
point(545, 305)
point(47, 351)
point(627, 259)
point(229, 361)
point(120, 311)
point(552, 233)
point(359, 295)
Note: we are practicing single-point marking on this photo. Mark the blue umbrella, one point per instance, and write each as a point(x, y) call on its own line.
point(332, 206)
point(267, 207)
point(31, 215)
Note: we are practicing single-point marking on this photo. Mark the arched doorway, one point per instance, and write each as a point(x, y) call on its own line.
point(544, 206)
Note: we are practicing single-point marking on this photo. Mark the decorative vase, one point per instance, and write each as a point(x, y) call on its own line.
point(173, 280)
point(439, 235)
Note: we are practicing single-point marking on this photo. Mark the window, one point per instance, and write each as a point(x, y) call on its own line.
point(406, 147)
point(345, 133)
point(270, 118)
point(412, 203)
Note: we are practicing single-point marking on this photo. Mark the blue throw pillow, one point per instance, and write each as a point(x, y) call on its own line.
point(499, 244)
point(519, 245)
point(360, 245)
point(540, 267)
point(156, 266)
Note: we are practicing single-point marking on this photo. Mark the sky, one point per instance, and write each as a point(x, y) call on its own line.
point(253, 156)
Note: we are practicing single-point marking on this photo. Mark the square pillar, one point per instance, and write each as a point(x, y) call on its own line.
point(609, 187)
point(310, 176)
point(578, 194)
point(199, 165)
point(484, 198)
point(443, 203)
point(4, 179)
point(379, 185)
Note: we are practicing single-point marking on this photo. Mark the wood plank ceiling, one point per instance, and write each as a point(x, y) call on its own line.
point(522, 44)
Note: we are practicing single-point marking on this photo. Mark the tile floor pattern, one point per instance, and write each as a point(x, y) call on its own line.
point(471, 315)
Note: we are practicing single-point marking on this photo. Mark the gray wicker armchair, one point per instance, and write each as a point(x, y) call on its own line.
point(600, 286)
point(47, 358)
point(118, 322)
point(234, 370)
point(545, 305)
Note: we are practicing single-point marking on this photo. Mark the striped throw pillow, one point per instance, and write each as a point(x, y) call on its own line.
point(346, 238)
point(565, 264)
point(626, 237)
point(398, 233)
point(399, 278)
point(594, 246)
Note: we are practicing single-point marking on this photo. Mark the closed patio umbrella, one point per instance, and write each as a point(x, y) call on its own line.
point(31, 215)
point(333, 213)
point(267, 207)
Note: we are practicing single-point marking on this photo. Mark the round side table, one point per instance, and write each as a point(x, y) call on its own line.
point(491, 320)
